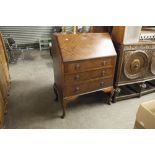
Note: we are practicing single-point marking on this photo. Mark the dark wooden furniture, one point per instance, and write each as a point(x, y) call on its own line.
point(135, 68)
point(134, 90)
point(83, 63)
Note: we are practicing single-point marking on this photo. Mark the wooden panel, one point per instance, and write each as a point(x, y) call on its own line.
point(84, 76)
point(80, 66)
point(1, 110)
point(4, 63)
point(85, 46)
point(4, 79)
point(87, 86)
point(5, 51)
point(100, 29)
point(57, 64)
point(3, 82)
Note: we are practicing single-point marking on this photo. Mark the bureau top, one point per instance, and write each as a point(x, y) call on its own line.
point(83, 46)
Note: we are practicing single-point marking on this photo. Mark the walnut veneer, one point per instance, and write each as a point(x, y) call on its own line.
point(83, 63)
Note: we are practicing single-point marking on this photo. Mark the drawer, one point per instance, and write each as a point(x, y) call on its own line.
point(85, 87)
point(85, 65)
point(84, 76)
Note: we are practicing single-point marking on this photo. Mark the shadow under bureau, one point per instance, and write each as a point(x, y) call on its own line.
point(83, 63)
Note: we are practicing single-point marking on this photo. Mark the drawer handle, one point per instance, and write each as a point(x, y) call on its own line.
point(77, 89)
point(77, 77)
point(104, 63)
point(102, 84)
point(103, 73)
point(77, 66)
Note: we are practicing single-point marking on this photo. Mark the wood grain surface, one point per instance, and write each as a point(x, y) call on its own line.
point(85, 46)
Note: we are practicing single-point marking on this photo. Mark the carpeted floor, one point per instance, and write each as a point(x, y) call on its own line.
point(31, 102)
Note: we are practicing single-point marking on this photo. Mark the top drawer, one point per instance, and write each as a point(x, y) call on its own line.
point(86, 65)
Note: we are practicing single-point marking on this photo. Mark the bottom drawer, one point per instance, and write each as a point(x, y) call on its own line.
point(85, 87)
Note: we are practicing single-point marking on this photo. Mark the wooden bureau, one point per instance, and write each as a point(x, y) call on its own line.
point(83, 63)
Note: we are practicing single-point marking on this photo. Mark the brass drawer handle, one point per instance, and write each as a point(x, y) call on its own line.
point(104, 63)
point(102, 84)
point(103, 73)
point(77, 77)
point(77, 88)
point(77, 66)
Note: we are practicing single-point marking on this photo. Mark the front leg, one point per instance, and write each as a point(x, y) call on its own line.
point(64, 105)
point(141, 87)
point(116, 92)
point(110, 95)
point(55, 91)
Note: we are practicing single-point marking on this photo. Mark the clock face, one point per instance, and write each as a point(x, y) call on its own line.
point(135, 64)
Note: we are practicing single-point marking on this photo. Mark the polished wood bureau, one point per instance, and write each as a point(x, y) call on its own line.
point(83, 63)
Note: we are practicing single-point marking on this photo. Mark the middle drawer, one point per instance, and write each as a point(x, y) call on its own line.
point(84, 76)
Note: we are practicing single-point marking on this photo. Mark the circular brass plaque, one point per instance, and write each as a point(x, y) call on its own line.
point(135, 64)
point(153, 65)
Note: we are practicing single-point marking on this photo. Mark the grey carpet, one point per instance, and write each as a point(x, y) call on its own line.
point(31, 102)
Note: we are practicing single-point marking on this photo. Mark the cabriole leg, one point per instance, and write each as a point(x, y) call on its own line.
point(110, 97)
point(115, 94)
point(56, 93)
point(63, 104)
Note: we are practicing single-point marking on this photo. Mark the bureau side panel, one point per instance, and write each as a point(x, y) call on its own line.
point(57, 64)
